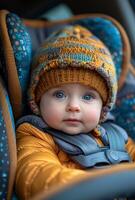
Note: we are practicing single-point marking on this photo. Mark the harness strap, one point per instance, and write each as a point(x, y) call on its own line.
point(84, 142)
point(101, 158)
point(117, 136)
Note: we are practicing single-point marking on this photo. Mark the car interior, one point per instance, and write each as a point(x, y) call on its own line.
point(30, 23)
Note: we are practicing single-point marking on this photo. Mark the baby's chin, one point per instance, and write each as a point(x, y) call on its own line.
point(73, 131)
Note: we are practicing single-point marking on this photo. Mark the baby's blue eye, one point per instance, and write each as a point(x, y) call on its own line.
point(88, 97)
point(59, 94)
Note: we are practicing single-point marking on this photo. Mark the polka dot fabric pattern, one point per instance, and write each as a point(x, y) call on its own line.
point(21, 44)
point(8, 157)
point(124, 110)
point(4, 158)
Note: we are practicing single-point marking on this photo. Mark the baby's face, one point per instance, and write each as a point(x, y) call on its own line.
point(72, 108)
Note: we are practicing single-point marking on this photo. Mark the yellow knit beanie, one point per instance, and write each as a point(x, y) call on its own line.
point(73, 55)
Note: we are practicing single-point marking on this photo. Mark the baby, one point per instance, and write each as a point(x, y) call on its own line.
point(73, 87)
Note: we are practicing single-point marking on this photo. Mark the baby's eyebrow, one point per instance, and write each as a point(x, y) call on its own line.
point(58, 88)
point(91, 89)
point(61, 87)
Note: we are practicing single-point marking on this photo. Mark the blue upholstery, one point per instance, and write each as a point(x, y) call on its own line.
point(124, 110)
point(21, 44)
point(4, 158)
point(7, 144)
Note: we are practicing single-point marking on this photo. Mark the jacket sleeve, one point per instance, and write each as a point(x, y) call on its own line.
point(39, 167)
point(130, 146)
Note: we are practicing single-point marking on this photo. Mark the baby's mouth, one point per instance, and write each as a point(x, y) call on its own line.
point(72, 121)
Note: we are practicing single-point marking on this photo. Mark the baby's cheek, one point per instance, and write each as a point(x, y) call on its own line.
point(51, 116)
point(93, 115)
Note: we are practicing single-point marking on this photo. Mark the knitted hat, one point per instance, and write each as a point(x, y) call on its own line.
point(73, 55)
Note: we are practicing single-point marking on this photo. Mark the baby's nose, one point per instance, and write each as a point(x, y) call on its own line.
point(73, 107)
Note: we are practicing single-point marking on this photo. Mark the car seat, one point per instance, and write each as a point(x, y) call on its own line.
point(19, 38)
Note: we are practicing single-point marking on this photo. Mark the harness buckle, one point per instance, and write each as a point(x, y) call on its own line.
point(112, 156)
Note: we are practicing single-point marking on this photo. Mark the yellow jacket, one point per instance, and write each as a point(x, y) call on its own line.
point(42, 165)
